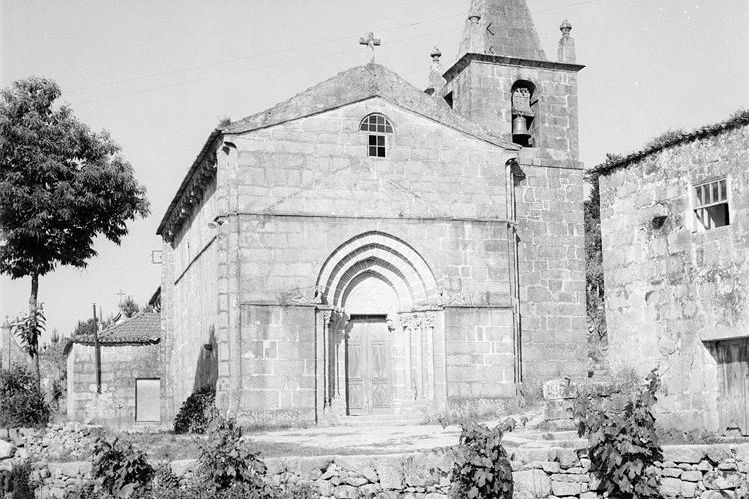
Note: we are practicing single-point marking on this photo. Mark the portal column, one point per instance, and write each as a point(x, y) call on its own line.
point(339, 334)
point(428, 360)
point(410, 324)
point(327, 317)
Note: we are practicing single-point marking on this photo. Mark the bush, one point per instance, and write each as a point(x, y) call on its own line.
point(23, 402)
point(196, 412)
point(119, 469)
point(19, 480)
point(623, 445)
point(237, 491)
point(164, 477)
point(482, 469)
point(86, 490)
point(225, 461)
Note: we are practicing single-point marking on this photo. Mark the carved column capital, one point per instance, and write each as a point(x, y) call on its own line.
point(393, 322)
point(410, 320)
point(327, 317)
point(417, 320)
point(428, 319)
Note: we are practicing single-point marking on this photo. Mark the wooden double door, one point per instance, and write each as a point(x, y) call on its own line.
point(369, 366)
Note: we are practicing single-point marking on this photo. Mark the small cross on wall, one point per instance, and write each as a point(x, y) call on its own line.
point(371, 42)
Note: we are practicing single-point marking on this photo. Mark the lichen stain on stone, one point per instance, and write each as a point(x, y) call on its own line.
point(729, 294)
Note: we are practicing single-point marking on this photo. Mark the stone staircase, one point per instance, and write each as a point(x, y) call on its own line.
point(379, 420)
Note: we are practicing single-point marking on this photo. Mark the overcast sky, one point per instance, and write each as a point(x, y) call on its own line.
point(159, 75)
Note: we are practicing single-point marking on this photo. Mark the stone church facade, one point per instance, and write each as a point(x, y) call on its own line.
point(368, 248)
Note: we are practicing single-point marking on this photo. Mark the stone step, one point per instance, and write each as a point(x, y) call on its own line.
point(379, 420)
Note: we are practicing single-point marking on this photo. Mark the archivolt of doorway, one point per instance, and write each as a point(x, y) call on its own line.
point(383, 351)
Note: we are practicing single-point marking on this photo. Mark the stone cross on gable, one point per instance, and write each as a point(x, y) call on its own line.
point(371, 42)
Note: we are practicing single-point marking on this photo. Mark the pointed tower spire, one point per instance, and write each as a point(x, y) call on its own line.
point(501, 27)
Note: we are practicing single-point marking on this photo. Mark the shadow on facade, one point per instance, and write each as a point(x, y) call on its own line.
point(206, 372)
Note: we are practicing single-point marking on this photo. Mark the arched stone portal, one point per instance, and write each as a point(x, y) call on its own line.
point(378, 303)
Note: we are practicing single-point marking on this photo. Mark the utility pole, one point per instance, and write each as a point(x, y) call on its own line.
point(97, 352)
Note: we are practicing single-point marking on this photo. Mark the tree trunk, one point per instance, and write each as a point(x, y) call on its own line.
point(33, 304)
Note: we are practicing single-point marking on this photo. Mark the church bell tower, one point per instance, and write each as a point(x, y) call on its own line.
point(504, 81)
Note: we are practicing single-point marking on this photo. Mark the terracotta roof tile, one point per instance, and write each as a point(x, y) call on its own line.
point(142, 328)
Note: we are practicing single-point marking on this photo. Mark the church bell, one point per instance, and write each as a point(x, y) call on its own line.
point(520, 127)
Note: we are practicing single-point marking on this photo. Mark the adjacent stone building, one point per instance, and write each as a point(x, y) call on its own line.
point(675, 230)
point(367, 248)
point(130, 373)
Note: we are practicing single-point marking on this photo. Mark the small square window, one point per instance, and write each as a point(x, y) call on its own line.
point(711, 204)
point(377, 146)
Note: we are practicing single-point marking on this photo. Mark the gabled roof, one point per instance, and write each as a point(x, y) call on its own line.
point(739, 119)
point(358, 84)
point(353, 85)
point(144, 328)
point(505, 29)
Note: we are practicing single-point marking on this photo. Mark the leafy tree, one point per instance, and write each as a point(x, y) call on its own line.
point(85, 327)
point(61, 185)
point(129, 307)
point(55, 337)
point(28, 329)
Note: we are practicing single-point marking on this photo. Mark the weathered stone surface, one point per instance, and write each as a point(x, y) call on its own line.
point(717, 480)
point(720, 494)
point(390, 474)
point(684, 453)
point(595, 482)
point(417, 469)
point(558, 409)
point(691, 476)
point(529, 455)
point(670, 487)
point(568, 458)
point(559, 389)
point(531, 484)
point(551, 467)
point(370, 474)
point(7, 449)
point(345, 492)
point(705, 466)
point(719, 453)
point(325, 487)
point(671, 472)
point(566, 488)
point(728, 466)
point(688, 489)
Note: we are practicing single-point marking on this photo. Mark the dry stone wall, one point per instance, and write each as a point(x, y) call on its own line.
point(688, 471)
